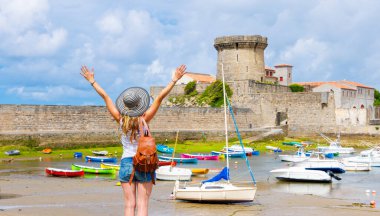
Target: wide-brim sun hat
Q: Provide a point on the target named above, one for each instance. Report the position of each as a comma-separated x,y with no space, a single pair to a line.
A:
133,102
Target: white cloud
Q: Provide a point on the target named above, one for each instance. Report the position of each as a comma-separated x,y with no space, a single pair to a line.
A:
48,93
26,31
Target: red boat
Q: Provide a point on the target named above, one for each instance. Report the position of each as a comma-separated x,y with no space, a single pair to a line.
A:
63,172
166,163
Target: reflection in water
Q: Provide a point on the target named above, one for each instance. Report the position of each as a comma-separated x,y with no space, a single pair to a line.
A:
8,196
99,176
321,189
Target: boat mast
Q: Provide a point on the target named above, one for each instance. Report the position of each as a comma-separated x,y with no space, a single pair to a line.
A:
225,121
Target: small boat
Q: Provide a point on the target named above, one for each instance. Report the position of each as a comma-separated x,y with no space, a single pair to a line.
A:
166,163
335,146
89,169
316,162
230,154
101,159
237,148
298,157
354,166
169,173
12,152
100,153
199,171
47,151
274,149
110,166
300,174
164,149
371,157
292,143
200,156
179,160
64,172
78,154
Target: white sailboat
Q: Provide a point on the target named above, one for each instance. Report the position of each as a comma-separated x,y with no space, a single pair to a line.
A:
216,189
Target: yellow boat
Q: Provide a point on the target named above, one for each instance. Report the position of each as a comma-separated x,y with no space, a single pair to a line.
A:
199,171
110,166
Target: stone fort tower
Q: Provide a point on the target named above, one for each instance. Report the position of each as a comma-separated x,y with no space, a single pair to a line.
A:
242,57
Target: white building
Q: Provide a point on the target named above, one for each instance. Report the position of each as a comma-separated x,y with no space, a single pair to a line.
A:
281,74
347,94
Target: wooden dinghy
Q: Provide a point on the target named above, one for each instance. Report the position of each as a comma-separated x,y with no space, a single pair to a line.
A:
89,169
63,172
101,159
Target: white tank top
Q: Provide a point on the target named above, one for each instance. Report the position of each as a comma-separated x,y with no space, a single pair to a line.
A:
129,148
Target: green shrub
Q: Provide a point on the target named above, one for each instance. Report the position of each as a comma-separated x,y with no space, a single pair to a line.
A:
377,98
296,88
190,88
213,94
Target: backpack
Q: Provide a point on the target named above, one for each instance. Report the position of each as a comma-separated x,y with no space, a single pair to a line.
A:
145,159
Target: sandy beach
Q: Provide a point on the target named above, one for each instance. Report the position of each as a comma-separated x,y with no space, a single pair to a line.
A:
31,194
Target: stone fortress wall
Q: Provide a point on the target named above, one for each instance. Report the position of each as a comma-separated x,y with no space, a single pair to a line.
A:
258,108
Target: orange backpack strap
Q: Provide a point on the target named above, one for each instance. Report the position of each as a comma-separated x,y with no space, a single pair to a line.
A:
152,175
132,176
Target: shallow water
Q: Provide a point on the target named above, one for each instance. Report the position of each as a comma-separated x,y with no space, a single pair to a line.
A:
354,186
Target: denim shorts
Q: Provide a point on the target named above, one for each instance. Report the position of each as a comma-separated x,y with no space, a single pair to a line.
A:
126,168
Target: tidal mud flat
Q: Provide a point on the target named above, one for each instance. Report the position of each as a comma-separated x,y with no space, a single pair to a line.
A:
40,195
26,190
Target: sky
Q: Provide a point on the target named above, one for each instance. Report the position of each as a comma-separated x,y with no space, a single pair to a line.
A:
139,43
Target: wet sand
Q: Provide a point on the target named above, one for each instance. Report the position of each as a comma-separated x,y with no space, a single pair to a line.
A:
36,194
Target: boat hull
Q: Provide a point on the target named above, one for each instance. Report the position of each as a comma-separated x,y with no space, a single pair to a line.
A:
214,192
12,152
168,173
323,165
110,166
164,149
95,170
101,159
292,158
179,160
63,172
300,174
230,154
201,157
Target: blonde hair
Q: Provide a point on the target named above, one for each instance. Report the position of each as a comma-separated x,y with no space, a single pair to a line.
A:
130,124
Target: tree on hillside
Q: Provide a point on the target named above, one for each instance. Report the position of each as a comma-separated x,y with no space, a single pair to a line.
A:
377,98
296,88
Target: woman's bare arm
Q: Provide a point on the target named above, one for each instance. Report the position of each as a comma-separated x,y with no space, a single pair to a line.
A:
89,76
149,114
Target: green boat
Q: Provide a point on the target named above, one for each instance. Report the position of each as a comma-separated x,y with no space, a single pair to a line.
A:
291,143
96,170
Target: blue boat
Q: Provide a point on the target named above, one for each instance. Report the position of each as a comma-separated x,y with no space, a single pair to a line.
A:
164,149
77,154
230,154
179,160
329,155
255,152
101,159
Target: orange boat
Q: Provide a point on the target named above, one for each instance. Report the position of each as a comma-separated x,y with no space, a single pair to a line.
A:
47,151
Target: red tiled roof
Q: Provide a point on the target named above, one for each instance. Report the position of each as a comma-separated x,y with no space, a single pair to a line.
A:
334,83
283,65
199,77
356,84
269,68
